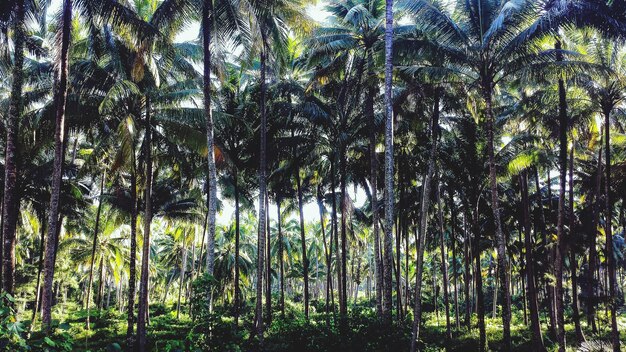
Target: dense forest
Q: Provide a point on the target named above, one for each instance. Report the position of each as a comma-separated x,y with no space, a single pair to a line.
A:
331,175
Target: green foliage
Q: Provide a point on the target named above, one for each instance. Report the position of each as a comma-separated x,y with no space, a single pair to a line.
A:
11,330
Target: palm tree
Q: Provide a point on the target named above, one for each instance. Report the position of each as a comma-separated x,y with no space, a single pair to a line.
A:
389,174
10,203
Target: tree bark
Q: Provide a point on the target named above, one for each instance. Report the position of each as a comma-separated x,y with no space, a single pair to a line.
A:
389,173
609,233
560,247
320,205
142,313
94,246
444,260
11,198
132,276
495,205
305,263
207,23
580,337
183,266
531,295
237,244
591,282
262,193
57,173
281,264
425,205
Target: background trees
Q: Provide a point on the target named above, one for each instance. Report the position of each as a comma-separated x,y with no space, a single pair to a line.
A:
482,102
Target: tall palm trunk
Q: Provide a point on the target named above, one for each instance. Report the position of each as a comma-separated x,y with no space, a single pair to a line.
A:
466,275
343,297
595,194
609,233
132,276
10,201
580,337
281,265
389,187
369,106
425,205
333,185
237,240
535,325
183,267
207,11
305,263
495,205
142,313
457,322
94,246
320,206
559,249
262,193
444,260
57,173
37,304
268,263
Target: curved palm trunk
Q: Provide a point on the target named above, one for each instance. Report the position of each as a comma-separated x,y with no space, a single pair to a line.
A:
262,193
305,263
57,173
93,247
389,187
421,245
10,201
142,313
531,294
500,238
609,233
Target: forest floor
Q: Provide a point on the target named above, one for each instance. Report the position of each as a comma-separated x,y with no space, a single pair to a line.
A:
292,333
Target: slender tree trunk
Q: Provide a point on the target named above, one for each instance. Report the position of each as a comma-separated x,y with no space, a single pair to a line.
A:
535,325
320,205
100,283
281,264
305,263
466,275
580,337
609,234
11,200
591,282
132,277
37,305
268,269
207,25
425,205
142,313
454,262
500,238
444,260
262,193
560,247
389,173
398,266
183,266
93,247
57,173
343,298
369,105
237,244
336,229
